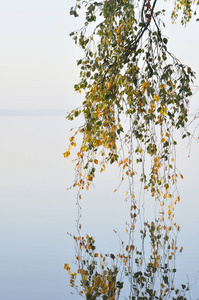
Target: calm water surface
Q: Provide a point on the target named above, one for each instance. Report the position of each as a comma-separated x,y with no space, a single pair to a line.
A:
37,211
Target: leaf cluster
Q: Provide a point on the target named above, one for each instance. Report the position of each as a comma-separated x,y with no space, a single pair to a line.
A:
136,92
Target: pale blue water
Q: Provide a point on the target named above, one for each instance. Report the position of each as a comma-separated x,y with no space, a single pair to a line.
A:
37,211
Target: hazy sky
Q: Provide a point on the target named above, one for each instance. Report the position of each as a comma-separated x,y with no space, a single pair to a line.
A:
38,58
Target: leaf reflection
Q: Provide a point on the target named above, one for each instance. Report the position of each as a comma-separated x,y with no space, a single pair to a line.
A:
133,273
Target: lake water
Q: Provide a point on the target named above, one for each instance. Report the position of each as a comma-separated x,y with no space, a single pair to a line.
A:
37,210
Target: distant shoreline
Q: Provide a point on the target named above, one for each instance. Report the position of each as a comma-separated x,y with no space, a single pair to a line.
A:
32,113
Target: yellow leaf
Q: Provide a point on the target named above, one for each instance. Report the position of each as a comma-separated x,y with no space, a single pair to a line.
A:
181,176
156,98
96,161
71,138
120,162
66,154
162,86
145,86
89,177
66,266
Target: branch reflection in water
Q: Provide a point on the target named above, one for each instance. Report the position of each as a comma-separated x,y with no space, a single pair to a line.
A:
144,268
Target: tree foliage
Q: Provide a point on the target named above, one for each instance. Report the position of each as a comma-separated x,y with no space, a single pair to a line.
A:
136,92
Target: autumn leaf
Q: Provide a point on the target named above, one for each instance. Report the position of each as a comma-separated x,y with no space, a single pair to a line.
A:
156,97
66,154
71,138
145,86
112,256
66,266
120,162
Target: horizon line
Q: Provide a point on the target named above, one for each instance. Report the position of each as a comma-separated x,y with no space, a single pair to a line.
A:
32,112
